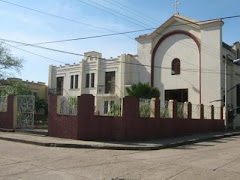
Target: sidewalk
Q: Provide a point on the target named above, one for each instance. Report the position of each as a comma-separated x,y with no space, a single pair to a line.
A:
42,140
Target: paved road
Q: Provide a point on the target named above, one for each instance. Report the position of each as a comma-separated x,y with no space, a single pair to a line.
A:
218,159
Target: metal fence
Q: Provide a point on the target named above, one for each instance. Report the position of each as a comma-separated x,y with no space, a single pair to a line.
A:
67,105
196,111
25,111
207,112
164,110
180,110
144,107
115,108
3,103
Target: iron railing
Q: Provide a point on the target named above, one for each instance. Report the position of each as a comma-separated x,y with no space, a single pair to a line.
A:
3,103
144,107
67,105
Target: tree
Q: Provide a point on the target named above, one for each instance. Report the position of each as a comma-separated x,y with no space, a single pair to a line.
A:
40,104
17,89
143,90
8,62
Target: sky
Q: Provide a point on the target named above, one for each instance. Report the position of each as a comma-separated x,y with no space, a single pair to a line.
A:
28,26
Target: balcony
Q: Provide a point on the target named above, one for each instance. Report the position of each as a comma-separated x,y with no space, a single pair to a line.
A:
106,90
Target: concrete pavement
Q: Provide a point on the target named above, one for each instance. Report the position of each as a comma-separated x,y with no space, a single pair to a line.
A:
214,159
42,140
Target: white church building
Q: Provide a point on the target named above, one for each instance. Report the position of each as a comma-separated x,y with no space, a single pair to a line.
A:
183,58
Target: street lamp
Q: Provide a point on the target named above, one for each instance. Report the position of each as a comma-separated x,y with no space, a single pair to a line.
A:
226,85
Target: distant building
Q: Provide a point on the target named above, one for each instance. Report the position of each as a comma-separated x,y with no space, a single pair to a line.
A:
184,58
105,79
38,88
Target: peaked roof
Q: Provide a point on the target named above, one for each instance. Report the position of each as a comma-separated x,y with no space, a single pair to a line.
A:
183,20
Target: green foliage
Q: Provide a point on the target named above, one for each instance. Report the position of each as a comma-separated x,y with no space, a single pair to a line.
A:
143,90
40,104
72,101
164,113
115,110
72,105
17,89
144,110
8,62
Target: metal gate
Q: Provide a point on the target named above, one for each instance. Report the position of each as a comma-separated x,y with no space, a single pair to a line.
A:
25,111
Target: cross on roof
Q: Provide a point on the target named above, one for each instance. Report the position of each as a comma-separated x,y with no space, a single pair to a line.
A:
176,4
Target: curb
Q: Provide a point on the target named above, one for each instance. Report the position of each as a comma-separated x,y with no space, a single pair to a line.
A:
109,147
32,132
6,130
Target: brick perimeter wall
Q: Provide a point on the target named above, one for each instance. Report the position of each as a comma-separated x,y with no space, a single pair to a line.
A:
7,118
60,125
86,126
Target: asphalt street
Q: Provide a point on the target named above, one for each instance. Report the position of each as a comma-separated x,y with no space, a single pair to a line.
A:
216,159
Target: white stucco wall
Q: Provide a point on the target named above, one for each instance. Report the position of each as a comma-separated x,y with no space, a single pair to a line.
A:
186,50
144,57
65,72
211,46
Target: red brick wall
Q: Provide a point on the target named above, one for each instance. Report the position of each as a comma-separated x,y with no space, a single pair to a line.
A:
60,125
7,118
130,126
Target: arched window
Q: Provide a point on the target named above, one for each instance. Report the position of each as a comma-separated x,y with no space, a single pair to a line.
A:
175,66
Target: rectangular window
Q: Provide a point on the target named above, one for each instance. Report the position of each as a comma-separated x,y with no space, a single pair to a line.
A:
105,107
59,86
87,81
76,81
110,82
71,82
111,104
180,95
92,79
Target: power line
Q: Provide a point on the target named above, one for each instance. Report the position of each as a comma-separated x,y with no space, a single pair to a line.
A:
53,15
137,64
111,13
92,37
33,53
118,12
127,10
129,32
82,55
228,17
59,17
41,47
132,11
72,53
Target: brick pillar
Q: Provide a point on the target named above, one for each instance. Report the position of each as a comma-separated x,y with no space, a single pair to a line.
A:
85,115
201,111
189,110
52,114
174,109
130,115
212,112
11,118
157,108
